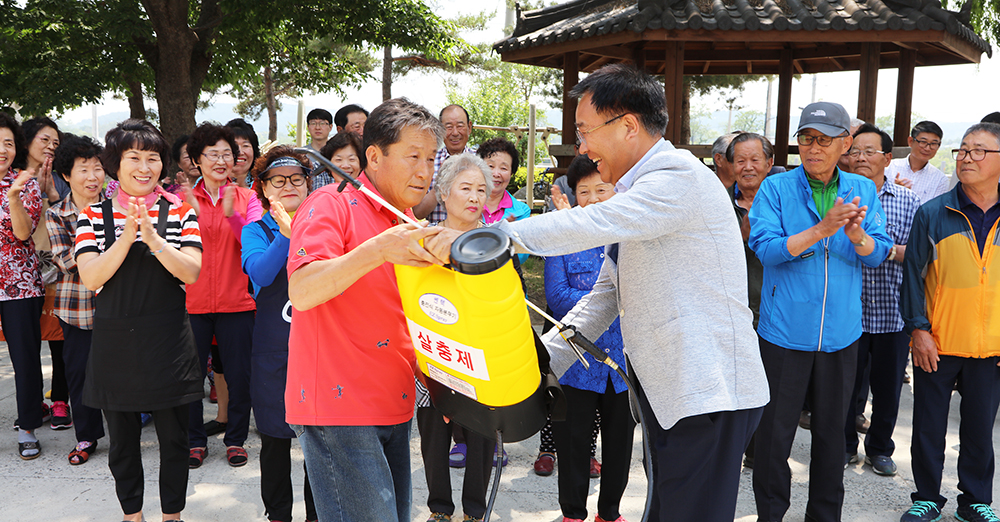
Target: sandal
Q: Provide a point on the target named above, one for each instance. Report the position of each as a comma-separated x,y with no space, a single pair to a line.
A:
82,452
196,456
23,449
456,458
237,456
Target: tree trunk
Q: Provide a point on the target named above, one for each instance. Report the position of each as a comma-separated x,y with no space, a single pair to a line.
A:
136,107
179,60
272,105
387,73
686,114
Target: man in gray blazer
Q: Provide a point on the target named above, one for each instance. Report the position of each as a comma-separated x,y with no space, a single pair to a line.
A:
676,274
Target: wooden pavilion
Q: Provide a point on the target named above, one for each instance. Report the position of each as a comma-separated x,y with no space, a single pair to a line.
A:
778,37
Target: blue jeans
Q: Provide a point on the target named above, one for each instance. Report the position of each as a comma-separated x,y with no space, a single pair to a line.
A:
358,473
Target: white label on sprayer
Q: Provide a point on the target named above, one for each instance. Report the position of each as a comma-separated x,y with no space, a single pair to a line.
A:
451,381
438,308
448,353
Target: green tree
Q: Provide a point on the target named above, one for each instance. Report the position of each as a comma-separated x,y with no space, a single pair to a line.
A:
749,121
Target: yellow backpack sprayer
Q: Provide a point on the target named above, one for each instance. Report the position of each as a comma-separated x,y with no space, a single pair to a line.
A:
473,338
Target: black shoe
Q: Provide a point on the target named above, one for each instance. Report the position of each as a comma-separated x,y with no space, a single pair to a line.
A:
922,511
976,513
805,419
214,427
881,465
861,424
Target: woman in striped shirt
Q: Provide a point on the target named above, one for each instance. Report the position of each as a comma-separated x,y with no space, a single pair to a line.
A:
137,250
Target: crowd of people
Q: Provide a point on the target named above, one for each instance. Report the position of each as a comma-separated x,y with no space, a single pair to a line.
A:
743,301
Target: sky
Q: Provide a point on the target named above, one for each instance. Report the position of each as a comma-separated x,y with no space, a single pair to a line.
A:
945,94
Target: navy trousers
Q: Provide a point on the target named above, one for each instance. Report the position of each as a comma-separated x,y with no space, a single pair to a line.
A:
234,334
885,354
696,463
20,319
979,384
87,421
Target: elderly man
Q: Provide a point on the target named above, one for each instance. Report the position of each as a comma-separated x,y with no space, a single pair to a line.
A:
812,228
457,127
348,323
883,341
915,171
675,273
351,118
723,169
951,280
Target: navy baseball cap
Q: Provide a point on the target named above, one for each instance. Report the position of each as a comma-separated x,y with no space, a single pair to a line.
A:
829,118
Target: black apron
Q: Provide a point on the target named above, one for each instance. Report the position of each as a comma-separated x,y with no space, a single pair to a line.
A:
269,361
143,355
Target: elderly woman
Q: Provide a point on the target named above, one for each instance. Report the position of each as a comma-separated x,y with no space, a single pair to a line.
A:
503,159
344,150
567,279
219,302
282,183
21,294
142,355
78,162
463,187
247,151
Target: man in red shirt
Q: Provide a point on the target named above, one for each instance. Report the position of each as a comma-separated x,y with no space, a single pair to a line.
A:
349,393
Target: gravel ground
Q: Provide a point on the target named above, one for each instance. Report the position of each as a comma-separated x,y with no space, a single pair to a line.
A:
49,489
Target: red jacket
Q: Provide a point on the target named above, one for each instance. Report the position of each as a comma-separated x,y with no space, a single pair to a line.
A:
222,285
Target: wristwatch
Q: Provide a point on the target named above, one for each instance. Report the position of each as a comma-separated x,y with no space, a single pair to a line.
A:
892,253
862,243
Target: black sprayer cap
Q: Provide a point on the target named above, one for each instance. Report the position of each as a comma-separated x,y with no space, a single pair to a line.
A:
480,251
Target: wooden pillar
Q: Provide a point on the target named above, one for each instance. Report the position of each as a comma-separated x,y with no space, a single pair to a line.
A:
673,87
639,56
871,57
785,76
904,97
571,76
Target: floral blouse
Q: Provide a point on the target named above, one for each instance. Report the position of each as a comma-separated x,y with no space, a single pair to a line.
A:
20,277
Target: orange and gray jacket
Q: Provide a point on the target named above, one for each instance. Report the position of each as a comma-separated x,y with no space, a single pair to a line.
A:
949,289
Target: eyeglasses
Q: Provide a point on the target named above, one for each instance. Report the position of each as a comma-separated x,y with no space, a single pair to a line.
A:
318,123
214,156
975,154
277,181
582,135
854,153
823,140
928,144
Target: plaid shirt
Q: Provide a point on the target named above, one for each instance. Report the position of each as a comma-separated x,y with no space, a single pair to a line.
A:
880,285
74,303
439,213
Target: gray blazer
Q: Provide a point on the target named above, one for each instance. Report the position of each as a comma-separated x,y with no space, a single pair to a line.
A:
680,287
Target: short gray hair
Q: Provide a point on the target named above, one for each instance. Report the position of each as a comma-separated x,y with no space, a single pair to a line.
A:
387,121
455,165
722,143
990,128
765,145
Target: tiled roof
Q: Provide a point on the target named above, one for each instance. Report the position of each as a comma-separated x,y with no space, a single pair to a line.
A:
587,18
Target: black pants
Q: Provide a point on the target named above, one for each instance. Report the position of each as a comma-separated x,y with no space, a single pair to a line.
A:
829,379
276,480
125,457
573,437
234,334
23,332
76,350
696,463
979,384
60,383
435,440
885,356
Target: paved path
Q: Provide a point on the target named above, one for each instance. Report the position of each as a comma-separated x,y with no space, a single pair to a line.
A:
49,489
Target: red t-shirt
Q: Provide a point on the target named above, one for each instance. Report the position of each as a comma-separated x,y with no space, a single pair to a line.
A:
350,359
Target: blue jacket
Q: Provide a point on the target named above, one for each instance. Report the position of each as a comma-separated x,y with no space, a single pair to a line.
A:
811,302
567,279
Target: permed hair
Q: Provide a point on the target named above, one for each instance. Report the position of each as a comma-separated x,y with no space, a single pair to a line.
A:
32,127
623,89
262,162
388,120
579,168
494,145
133,134
208,134
455,165
242,129
71,148
20,151
341,140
